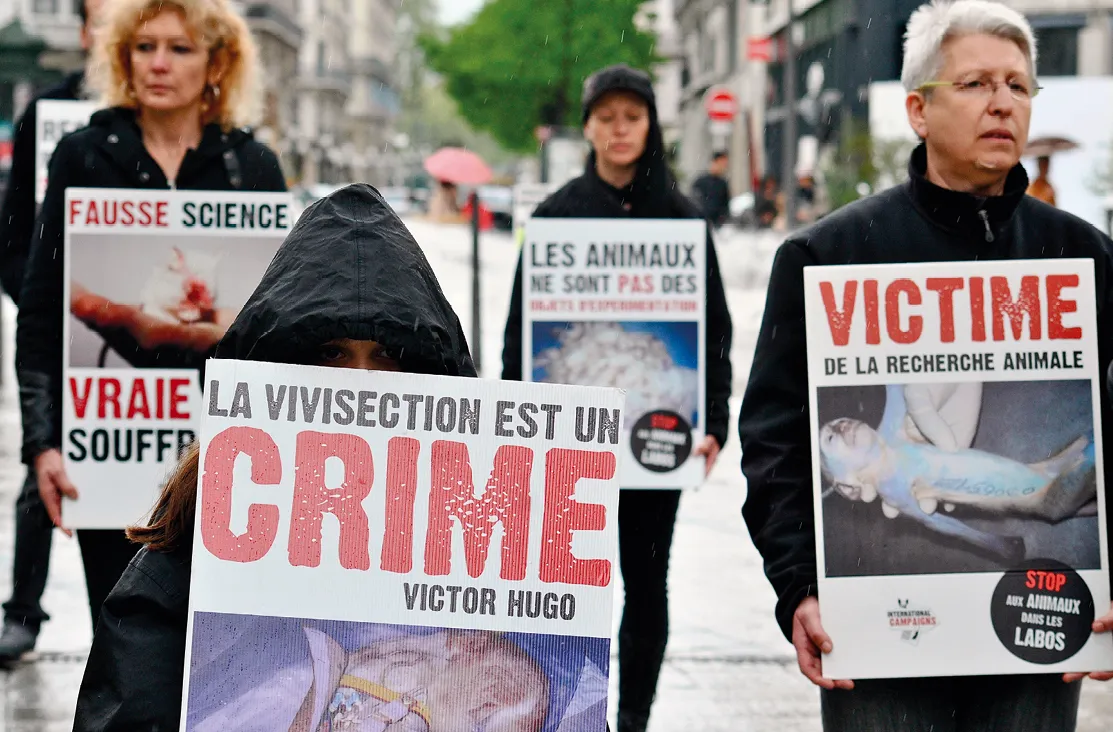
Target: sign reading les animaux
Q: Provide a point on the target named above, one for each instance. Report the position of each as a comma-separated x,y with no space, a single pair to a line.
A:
958,469
54,119
621,303
153,279
396,551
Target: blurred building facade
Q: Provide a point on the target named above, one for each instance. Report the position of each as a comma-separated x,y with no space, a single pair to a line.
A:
327,73
856,42
278,35
374,103
713,37
851,42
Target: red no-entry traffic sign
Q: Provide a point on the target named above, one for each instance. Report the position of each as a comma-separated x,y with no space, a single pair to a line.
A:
721,104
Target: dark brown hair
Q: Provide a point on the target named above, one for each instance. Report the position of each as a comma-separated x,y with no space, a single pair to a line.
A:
171,524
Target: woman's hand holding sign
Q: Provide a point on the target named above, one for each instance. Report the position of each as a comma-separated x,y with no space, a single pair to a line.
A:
50,472
709,448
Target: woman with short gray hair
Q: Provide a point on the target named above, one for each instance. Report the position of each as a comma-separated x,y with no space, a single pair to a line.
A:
969,70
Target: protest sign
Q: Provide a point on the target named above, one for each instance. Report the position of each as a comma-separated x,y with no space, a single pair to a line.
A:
620,303
527,197
153,279
54,119
400,550
957,467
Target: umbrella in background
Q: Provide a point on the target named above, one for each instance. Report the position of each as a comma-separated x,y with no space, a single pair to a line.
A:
458,166
1042,147
455,166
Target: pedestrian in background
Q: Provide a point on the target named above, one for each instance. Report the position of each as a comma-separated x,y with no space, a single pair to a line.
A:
23,612
177,78
349,288
627,177
1041,187
711,191
970,76
766,208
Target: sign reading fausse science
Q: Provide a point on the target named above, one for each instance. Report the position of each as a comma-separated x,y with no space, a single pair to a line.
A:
958,469
153,280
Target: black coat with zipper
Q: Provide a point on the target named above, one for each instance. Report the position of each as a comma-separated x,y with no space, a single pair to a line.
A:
913,222
109,153
17,214
588,196
349,269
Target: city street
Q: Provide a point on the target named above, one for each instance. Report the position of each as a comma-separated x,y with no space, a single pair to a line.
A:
728,668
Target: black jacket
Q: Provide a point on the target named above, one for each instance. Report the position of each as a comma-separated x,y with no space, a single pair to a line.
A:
588,196
17,215
913,222
109,153
712,193
349,269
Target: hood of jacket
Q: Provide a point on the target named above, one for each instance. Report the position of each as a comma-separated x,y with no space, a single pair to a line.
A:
650,192
350,269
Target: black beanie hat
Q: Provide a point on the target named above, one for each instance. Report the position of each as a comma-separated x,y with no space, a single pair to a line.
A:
619,77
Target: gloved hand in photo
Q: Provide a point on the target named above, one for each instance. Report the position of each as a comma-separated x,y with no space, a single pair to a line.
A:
944,415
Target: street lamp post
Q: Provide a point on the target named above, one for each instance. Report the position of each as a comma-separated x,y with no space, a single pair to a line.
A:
476,305
788,104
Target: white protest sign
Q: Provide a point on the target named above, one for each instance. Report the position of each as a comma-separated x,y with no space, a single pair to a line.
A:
957,466
527,197
153,279
621,303
372,547
54,119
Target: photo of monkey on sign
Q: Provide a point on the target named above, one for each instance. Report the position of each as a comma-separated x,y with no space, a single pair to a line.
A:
966,477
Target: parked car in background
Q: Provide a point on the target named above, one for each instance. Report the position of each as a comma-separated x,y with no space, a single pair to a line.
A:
399,199
742,211
499,200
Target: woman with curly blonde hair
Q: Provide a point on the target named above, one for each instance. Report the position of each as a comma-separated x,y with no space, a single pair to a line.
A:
221,48
177,80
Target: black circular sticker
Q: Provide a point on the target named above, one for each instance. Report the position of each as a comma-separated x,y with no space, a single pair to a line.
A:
661,441
1042,611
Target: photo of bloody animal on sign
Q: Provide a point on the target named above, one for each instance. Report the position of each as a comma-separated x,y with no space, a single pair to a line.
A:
389,551
957,457
153,280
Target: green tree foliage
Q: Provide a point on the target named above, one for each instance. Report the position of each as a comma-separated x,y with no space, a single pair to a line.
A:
521,63
861,159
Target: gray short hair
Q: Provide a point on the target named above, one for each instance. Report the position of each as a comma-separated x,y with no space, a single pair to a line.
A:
937,22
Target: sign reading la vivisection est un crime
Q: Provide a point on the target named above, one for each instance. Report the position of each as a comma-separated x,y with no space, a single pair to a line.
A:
958,470
621,303
153,280
383,551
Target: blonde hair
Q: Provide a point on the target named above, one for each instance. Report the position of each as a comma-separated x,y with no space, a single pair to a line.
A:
235,101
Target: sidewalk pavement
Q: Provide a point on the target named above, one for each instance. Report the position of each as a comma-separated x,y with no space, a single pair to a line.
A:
727,668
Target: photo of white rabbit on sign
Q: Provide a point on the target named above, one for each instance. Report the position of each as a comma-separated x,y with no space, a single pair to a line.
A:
133,296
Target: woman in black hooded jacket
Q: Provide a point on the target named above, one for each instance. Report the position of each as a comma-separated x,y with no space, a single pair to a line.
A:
627,176
349,288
